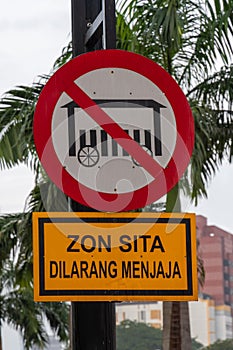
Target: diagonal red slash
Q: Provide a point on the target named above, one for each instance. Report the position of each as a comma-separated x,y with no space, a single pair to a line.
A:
113,129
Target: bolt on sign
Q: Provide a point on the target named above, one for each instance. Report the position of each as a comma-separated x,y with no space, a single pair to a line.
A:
114,257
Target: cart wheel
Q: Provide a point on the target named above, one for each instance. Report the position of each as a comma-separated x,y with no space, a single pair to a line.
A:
147,151
88,156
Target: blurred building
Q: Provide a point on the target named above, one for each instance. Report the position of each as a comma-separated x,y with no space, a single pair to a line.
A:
216,250
203,320
210,317
145,312
208,322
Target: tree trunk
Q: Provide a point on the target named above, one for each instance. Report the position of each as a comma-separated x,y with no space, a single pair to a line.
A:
167,312
186,342
176,326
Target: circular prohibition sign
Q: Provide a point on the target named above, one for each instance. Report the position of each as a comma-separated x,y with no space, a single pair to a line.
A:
152,84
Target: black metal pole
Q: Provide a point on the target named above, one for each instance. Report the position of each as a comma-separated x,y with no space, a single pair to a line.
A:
93,324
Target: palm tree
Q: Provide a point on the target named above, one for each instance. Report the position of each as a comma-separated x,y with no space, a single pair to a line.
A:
17,307
190,39
16,290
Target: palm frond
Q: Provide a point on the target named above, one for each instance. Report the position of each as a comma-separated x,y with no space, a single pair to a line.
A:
207,40
17,305
216,89
126,38
213,125
24,315
57,315
8,236
212,145
157,26
65,56
16,120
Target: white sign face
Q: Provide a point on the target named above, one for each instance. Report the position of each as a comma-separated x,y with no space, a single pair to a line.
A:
89,154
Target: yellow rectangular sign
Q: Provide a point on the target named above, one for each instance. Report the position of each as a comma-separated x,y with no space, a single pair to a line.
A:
120,256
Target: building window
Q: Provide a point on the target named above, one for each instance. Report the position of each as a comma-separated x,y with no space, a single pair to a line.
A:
155,314
142,315
227,300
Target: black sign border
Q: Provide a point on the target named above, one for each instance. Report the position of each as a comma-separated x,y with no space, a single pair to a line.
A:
102,292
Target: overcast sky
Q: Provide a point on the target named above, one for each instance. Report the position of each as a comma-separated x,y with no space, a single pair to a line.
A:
32,35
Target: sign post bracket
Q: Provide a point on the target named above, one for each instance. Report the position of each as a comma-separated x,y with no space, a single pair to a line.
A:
93,25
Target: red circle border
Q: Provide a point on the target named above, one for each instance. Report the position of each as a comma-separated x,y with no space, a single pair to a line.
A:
113,59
